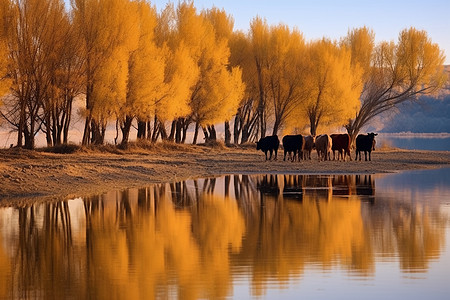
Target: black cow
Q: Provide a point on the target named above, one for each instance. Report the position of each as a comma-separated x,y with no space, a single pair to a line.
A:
293,144
366,143
269,143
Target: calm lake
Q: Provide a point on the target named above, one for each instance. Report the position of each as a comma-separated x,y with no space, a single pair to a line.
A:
239,236
415,142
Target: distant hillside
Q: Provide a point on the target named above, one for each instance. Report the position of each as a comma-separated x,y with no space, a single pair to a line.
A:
427,115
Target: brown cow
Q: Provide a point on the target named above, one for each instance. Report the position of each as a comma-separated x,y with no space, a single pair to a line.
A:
323,147
341,144
309,145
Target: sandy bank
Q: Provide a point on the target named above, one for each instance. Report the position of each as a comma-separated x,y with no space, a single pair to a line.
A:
34,176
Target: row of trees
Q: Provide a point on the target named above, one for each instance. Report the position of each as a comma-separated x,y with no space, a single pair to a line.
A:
179,67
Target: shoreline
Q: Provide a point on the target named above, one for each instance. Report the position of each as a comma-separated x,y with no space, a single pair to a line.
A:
35,176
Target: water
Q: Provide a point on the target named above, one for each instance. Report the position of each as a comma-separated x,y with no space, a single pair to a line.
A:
238,236
416,142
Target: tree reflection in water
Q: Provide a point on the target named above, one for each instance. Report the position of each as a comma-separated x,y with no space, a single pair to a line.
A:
192,239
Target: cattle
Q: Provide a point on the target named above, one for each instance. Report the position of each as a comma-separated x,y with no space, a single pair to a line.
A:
323,147
366,143
293,144
269,144
341,144
309,145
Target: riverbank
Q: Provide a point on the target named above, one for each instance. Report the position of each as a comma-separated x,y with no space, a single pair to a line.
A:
40,176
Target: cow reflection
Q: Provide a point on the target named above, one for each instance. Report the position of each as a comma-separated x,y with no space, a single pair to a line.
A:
293,187
343,185
318,187
268,185
365,186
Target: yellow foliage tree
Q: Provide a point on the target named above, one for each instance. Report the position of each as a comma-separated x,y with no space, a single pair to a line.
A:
180,73
5,81
246,119
332,85
218,90
277,53
395,73
285,73
223,26
146,66
35,32
109,32
361,43
63,72
259,39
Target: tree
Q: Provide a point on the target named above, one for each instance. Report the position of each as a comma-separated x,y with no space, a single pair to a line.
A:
277,53
69,83
285,74
259,37
218,90
246,118
146,66
63,72
180,75
5,80
109,32
331,86
33,25
223,27
396,73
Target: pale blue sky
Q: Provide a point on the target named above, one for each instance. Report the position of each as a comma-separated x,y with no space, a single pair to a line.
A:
333,19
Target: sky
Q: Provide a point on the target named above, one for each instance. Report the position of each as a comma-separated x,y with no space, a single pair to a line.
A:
333,19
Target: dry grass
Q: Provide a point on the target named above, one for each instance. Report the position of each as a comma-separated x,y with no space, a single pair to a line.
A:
62,149
386,146
140,147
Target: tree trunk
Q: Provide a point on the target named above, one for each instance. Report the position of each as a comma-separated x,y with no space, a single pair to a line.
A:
149,130
87,125
87,132
237,129
262,126
126,130
22,122
67,119
49,130
178,129
29,137
205,133
155,132
227,133
212,133
194,140
185,128
245,134
98,132
314,123
313,130
141,131
276,126
352,131
162,130
173,128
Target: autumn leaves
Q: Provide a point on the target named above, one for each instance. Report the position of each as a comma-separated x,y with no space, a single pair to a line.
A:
190,69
